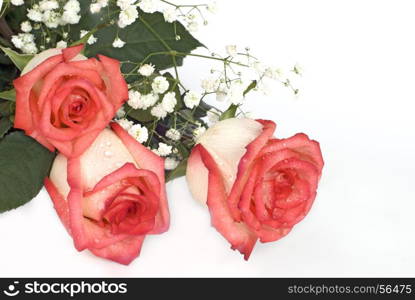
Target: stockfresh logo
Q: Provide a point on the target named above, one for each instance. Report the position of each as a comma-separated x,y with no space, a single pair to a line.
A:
12,289
64,288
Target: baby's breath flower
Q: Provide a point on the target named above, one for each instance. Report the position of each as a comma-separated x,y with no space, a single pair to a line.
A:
17,2
29,48
34,13
192,99
231,50
61,44
70,17
46,5
149,100
25,42
95,8
118,43
146,70
170,163
160,85
236,93
210,85
134,99
127,16
125,124
120,112
148,6
72,6
91,39
140,133
222,92
164,149
173,134
169,102
51,18
170,14
17,41
26,26
158,111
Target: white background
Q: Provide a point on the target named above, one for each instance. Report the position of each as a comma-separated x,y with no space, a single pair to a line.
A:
357,99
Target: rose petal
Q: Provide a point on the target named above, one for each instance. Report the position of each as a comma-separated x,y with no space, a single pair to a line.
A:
122,252
238,234
245,166
148,160
70,52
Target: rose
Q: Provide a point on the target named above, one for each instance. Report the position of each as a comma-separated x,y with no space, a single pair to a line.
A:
64,100
111,196
256,186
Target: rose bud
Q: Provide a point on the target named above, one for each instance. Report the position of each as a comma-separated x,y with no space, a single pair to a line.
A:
256,186
111,196
64,100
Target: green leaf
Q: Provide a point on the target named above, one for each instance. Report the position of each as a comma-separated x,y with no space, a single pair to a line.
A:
19,60
24,164
250,87
178,172
5,125
140,115
7,108
140,40
229,113
8,95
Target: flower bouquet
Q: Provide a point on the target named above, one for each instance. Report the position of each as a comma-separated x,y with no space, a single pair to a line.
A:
93,108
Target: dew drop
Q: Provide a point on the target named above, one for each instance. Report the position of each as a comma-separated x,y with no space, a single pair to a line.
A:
108,153
108,143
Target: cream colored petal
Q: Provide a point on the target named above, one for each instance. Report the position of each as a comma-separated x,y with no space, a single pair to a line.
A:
103,157
226,142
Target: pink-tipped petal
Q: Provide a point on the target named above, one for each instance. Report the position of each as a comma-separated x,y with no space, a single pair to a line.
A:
238,234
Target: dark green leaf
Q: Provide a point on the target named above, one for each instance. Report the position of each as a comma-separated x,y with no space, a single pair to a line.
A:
140,115
5,125
202,109
250,87
229,113
6,108
140,40
8,95
178,172
24,164
184,152
19,60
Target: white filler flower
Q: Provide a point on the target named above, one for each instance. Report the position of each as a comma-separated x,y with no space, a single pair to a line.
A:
173,134
169,102
140,133
164,149
146,70
192,99
170,163
160,85
118,43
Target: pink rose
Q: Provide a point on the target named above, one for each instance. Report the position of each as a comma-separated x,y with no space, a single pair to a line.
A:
64,100
256,186
111,196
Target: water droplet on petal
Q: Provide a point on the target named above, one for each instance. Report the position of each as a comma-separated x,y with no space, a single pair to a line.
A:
108,153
